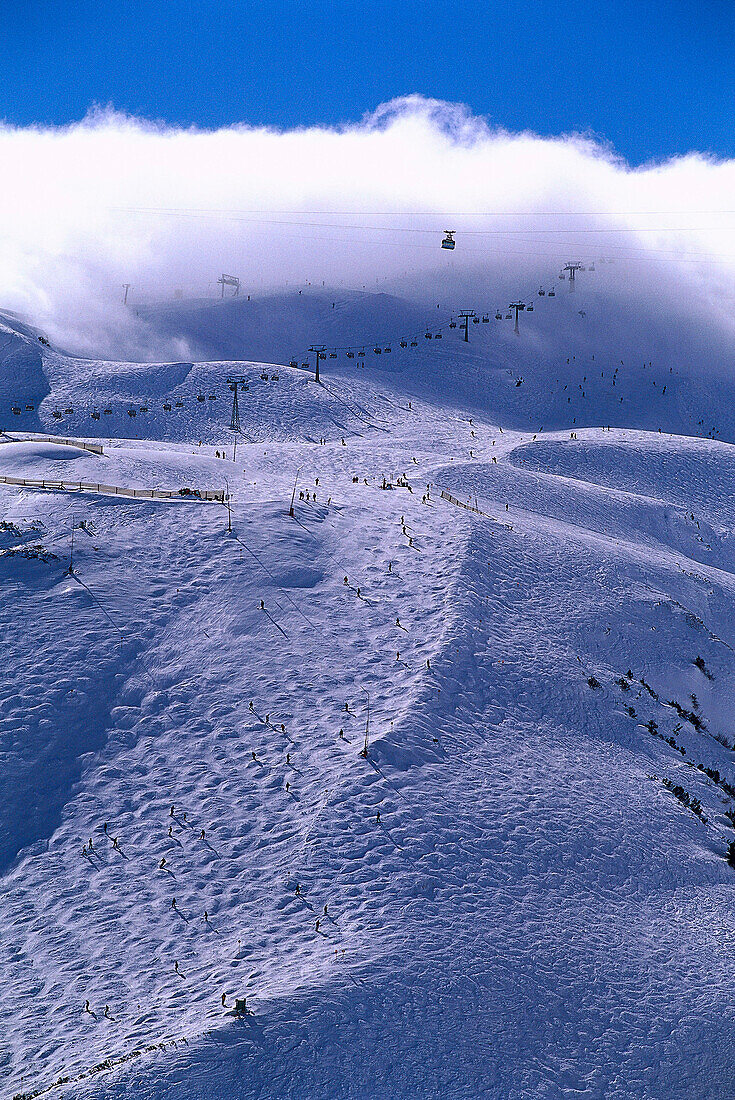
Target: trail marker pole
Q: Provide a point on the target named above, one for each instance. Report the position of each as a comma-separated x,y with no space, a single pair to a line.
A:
293,494
70,570
229,510
366,746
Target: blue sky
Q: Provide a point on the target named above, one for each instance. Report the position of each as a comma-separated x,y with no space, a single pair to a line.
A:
653,78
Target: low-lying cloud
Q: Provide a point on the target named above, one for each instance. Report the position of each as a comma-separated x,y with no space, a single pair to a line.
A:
115,200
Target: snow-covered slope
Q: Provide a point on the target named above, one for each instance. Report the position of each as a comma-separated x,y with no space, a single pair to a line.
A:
522,889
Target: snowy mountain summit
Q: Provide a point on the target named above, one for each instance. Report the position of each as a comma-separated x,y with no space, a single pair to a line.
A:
381,748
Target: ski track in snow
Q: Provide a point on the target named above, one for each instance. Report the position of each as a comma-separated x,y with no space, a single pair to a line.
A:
532,914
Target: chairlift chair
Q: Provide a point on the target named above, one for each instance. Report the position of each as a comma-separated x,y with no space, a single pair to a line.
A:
404,343
452,323
293,363
144,408
95,415
108,412
132,412
16,410
448,239
475,320
30,408
498,316
427,336
68,411
333,355
529,309
386,349
552,293
438,335
591,267
377,350
541,292
179,404
56,414
414,343
200,397
167,408
361,354
509,316
485,319
350,355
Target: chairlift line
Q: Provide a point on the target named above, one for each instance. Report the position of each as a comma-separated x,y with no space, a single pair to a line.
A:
569,270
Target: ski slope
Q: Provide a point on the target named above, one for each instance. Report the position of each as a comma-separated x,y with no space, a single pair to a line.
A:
523,898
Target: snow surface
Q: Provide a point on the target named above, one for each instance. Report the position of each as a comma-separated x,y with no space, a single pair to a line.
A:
534,913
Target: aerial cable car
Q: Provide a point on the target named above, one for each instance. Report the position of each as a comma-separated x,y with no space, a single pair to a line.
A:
448,239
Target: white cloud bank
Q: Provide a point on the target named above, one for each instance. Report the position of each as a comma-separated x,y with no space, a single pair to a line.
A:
115,200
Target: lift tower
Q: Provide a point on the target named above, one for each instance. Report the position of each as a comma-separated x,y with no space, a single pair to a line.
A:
517,306
234,384
320,351
229,280
573,267
465,316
